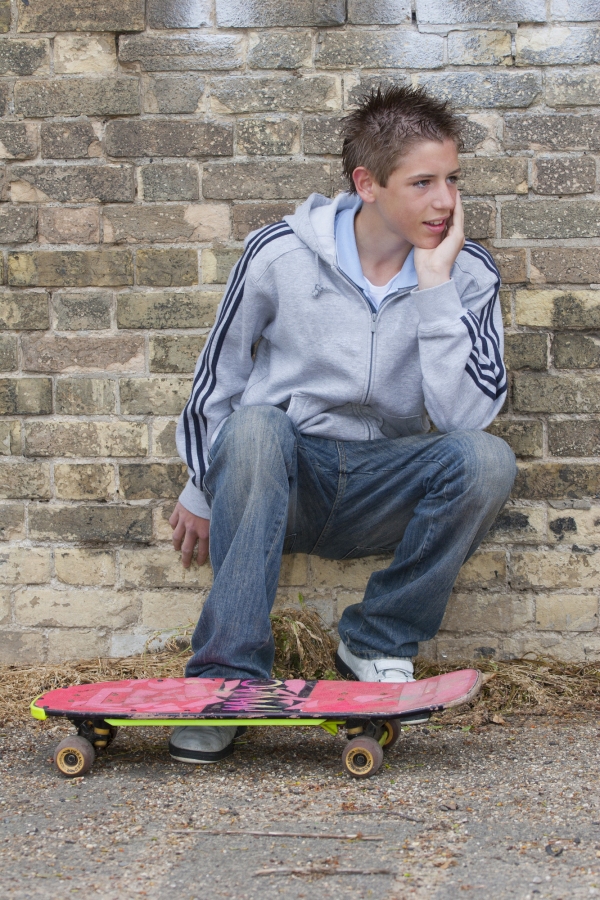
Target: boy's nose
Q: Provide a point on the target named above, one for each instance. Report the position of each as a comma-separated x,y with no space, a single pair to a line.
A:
445,198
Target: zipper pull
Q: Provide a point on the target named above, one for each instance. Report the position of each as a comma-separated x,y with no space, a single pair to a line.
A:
373,321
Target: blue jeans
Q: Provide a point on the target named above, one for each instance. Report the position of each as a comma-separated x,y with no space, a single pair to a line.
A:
428,499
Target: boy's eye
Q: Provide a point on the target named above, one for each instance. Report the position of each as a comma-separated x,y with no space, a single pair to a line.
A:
453,179
423,183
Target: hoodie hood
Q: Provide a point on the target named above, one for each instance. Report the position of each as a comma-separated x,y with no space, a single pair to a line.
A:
314,223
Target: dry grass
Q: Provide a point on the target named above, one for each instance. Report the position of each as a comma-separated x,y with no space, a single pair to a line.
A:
305,649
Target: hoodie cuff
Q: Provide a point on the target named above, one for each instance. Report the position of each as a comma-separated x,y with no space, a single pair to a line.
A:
194,501
438,306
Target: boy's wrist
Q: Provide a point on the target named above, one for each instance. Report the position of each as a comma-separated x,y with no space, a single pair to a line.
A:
431,279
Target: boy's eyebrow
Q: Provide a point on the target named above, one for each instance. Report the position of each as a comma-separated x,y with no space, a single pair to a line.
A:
432,175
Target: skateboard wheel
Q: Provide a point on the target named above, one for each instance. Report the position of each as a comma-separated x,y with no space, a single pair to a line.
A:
362,757
392,727
74,756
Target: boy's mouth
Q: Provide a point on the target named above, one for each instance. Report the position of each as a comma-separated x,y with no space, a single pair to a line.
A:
436,226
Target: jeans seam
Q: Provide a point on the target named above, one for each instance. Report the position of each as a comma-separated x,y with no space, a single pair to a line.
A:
342,477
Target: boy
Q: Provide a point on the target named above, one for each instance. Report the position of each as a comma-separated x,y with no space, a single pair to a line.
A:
306,430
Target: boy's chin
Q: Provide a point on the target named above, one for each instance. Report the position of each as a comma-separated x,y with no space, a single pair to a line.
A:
429,242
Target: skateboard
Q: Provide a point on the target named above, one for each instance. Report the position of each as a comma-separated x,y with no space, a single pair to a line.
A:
371,713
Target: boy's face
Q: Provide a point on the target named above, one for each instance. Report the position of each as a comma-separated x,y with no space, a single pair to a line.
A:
420,195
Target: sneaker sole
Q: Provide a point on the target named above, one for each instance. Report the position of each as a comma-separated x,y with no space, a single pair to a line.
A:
205,757
409,719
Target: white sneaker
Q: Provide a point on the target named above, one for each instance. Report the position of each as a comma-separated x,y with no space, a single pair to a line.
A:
202,743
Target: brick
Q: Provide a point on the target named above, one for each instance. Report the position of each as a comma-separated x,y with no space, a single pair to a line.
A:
8,353
486,571
5,611
17,225
580,525
25,565
24,481
104,524
77,96
172,181
501,175
576,351
25,396
268,136
173,94
262,180
24,57
217,264
70,268
85,397
24,310
12,521
5,16
552,132
167,309
5,97
84,482
556,393
92,609
248,217
549,219
359,86
512,264
557,481
488,90
379,12
574,438
294,570
573,87
466,613
165,223
182,53
272,13
388,48
526,351
53,353
18,648
10,438
86,439
564,176
173,138
85,566
440,12
277,94
178,14
352,574
156,567
557,45
69,140
566,612
163,437
175,353
167,268
280,50
69,226
478,131
575,10
148,481
74,15
525,438
480,48
480,219
558,309
322,135
17,140
565,266
76,54
168,610
82,310
519,524
554,570
162,513
38,184
154,396
77,643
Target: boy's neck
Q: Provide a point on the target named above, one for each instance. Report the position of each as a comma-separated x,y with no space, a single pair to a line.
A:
381,252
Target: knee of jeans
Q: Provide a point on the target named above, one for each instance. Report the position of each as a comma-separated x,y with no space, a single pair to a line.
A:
253,429
487,462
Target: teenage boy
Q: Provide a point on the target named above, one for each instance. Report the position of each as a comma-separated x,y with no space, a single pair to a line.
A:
307,429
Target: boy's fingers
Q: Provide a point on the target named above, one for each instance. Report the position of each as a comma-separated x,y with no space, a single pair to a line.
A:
202,552
187,548
179,534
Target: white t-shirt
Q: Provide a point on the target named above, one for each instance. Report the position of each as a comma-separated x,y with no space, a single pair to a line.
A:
377,293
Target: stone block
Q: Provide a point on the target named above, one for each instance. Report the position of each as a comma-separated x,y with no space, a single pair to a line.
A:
53,353
575,10
389,48
167,223
489,175
67,608
69,226
480,219
25,396
149,481
558,309
83,482
24,310
480,48
525,438
526,351
478,613
217,264
102,524
86,439
175,353
512,264
151,138
73,15
322,135
10,438
576,351
85,397
82,310
167,268
485,571
163,437
272,13
18,648
479,132
24,481
23,57
17,224
182,52
171,181
268,136
170,610
77,643
249,217
557,45
39,184
581,526
556,393
157,567
573,87
294,570
557,481
565,175
565,266
25,565
162,513
173,93
551,219
566,612
5,97
358,86
69,140
12,521
84,54
558,131
8,353
5,11
77,96
276,94
154,396
262,180
468,12
379,12
574,438
519,525
70,268
280,50
554,570
17,140
479,90
167,309
353,573
179,13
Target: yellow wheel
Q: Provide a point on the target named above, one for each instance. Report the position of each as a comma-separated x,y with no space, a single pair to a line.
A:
362,757
393,732
74,756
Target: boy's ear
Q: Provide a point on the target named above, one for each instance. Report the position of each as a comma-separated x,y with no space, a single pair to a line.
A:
364,183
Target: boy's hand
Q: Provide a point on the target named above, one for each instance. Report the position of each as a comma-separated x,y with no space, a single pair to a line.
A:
434,266
187,530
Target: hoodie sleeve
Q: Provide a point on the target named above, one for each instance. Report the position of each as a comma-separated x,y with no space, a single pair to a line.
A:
224,367
461,345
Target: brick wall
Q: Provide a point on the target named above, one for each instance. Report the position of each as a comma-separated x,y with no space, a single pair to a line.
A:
140,142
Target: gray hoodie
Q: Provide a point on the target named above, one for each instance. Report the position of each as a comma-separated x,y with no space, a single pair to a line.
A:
339,368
